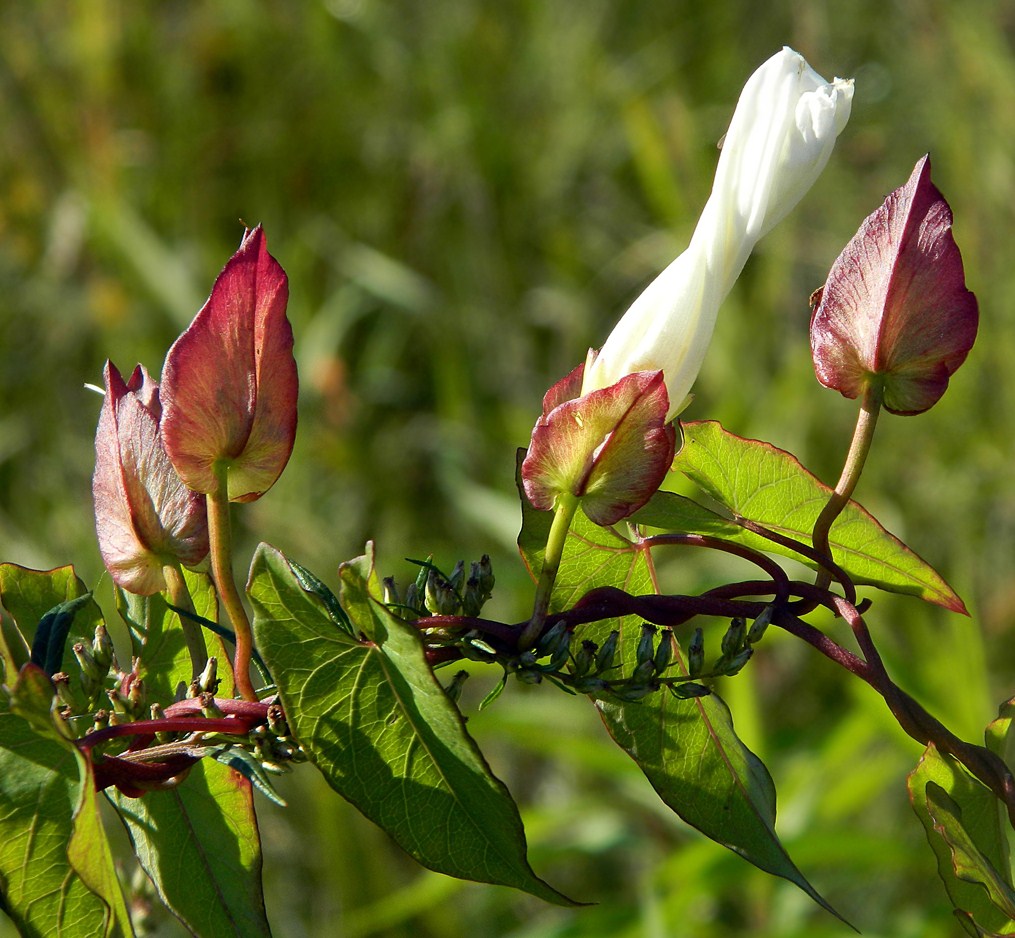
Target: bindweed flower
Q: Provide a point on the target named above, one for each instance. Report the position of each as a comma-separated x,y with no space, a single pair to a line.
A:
778,141
229,385
609,448
145,517
895,310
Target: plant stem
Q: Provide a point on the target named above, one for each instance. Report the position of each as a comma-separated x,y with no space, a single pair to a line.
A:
220,539
863,434
563,515
180,597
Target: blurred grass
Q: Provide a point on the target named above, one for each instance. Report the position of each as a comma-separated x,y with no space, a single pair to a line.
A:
465,197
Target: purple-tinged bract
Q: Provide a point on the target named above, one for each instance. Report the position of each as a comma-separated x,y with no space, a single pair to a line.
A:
895,308
145,517
611,447
229,385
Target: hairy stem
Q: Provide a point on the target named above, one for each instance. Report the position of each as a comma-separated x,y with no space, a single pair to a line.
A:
220,538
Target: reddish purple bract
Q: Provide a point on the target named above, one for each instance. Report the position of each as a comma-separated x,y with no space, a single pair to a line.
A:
610,448
229,385
145,516
895,308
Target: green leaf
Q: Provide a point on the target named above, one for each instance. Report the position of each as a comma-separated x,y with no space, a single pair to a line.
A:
158,642
968,838
200,846
372,717
758,482
56,868
687,749
29,595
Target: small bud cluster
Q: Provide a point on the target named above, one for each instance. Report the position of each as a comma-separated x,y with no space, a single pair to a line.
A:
585,667
434,593
736,649
100,680
275,748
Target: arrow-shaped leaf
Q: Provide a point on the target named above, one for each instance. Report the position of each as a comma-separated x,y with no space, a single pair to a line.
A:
372,717
757,481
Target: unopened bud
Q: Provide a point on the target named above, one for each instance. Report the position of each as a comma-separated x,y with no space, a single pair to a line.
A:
391,597
696,653
733,640
88,666
102,648
553,638
608,651
159,714
91,674
646,644
664,653
760,625
585,658
441,597
457,578
688,690
412,598
736,663
100,721
529,677
135,698
454,689
483,571
590,685
208,681
644,672
277,721
209,708
634,692
61,681
117,702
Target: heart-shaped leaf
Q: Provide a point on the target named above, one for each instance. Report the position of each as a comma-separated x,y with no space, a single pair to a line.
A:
371,716
758,482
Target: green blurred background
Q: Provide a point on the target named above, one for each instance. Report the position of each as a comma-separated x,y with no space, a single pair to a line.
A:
466,195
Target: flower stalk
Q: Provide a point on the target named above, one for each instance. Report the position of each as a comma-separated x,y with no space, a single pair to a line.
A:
179,596
563,515
220,540
859,447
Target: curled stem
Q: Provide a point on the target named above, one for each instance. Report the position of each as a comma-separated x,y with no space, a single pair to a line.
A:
220,539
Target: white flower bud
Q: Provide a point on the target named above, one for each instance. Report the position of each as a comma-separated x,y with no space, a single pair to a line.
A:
778,141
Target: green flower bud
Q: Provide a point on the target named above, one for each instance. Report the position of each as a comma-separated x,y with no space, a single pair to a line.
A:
391,597
412,595
737,662
733,640
553,638
688,690
454,689
664,653
441,597
208,681
608,651
457,578
646,644
102,648
760,625
590,685
696,653
585,658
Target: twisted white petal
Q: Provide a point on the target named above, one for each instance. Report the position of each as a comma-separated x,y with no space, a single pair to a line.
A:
778,141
